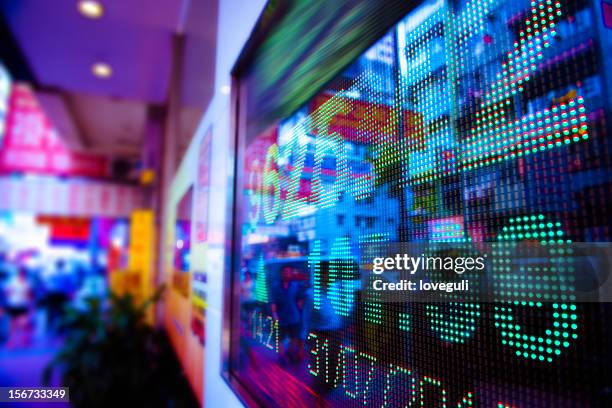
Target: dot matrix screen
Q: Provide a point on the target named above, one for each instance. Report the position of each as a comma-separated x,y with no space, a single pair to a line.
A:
470,122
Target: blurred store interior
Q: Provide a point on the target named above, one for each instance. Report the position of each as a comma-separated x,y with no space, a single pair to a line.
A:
99,100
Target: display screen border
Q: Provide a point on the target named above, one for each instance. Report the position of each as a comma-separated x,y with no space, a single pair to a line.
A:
239,134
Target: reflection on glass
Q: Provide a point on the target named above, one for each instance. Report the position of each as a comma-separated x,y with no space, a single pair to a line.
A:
182,243
471,121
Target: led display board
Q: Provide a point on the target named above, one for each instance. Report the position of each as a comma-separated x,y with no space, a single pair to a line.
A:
470,122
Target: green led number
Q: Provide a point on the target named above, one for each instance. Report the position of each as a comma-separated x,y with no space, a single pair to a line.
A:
541,348
455,322
314,262
533,285
372,310
261,282
341,266
404,321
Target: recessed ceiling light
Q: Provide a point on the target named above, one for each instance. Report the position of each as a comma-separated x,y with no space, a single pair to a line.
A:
90,8
101,70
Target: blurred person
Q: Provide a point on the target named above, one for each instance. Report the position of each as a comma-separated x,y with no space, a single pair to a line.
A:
93,288
59,285
327,323
304,300
19,298
247,308
7,270
247,292
247,298
32,263
325,318
285,309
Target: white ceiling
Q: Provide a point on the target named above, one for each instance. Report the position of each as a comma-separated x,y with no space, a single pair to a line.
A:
135,38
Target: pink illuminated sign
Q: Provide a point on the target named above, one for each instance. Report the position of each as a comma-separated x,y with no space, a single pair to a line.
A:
32,145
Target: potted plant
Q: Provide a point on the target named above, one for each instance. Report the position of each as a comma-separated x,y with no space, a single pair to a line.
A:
112,357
